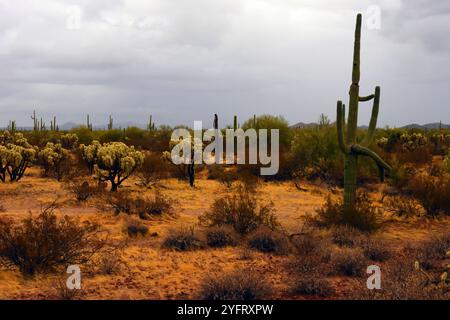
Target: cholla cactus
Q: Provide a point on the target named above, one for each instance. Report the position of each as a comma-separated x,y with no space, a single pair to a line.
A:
113,161
414,141
382,142
16,155
69,141
89,154
52,158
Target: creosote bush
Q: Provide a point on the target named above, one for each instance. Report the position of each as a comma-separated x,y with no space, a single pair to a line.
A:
235,285
240,210
269,241
221,236
364,216
42,243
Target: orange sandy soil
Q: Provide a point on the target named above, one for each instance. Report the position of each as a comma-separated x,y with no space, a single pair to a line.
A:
150,272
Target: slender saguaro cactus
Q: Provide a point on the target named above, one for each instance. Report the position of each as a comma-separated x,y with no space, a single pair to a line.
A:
151,125
235,123
35,121
88,123
110,124
348,143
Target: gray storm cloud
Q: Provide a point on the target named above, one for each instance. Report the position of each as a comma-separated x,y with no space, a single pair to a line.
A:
184,60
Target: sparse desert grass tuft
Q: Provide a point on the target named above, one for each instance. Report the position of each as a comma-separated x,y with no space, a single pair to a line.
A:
269,241
62,292
183,239
82,190
223,236
110,263
235,285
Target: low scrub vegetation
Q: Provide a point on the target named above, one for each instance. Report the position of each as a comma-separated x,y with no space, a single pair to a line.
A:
235,285
42,243
269,241
241,210
219,237
183,239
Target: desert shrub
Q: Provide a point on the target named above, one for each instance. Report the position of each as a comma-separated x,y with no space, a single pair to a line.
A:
317,155
114,162
218,237
363,216
269,241
432,251
135,227
447,162
82,190
312,245
313,284
42,243
346,236
402,206
16,155
349,262
84,134
224,176
183,239
235,285
153,169
376,250
109,262
401,281
62,292
240,210
53,159
144,207
433,193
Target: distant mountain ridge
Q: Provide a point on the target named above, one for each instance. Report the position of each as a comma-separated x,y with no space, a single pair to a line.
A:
428,126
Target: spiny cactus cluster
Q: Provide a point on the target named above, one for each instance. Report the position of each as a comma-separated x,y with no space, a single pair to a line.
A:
113,162
412,142
52,156
16,155
347,136
69,141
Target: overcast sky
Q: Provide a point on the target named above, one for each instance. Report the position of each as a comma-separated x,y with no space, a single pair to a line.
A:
184,60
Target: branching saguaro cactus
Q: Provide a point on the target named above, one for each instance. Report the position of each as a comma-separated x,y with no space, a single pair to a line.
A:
347,140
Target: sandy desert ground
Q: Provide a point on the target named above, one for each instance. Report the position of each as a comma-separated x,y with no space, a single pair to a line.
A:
149,272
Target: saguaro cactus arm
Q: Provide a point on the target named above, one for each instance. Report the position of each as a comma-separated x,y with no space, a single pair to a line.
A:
340,127
373,119
365,99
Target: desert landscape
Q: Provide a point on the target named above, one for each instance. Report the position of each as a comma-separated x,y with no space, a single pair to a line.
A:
128,212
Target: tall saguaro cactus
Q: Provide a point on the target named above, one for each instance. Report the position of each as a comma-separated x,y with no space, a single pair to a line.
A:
347,142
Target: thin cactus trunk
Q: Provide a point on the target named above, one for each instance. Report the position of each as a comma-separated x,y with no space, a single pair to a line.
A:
348,142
